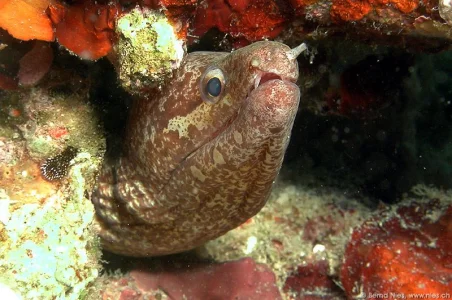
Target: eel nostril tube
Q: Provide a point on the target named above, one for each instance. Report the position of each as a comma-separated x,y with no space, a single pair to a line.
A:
293,53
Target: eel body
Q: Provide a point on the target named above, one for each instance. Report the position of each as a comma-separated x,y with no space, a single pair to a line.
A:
200,156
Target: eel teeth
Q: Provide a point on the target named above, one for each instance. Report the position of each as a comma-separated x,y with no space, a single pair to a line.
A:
262,77
257,79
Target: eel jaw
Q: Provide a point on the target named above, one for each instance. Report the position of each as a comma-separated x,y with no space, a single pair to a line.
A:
261,77
264,73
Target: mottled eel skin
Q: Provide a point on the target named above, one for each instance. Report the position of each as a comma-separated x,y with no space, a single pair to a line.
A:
201,157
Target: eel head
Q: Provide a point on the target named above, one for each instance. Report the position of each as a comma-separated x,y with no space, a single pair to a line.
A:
201,155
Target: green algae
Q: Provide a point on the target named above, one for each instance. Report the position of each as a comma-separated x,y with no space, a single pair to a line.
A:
148,49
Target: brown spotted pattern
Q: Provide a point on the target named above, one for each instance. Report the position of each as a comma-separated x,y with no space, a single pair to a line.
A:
193,170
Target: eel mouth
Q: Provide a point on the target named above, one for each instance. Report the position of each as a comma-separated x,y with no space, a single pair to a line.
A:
262,77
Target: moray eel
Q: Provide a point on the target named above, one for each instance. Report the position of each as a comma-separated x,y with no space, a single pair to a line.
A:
200,156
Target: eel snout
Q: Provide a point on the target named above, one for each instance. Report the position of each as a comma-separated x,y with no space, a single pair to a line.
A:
275,61
274,93
276,101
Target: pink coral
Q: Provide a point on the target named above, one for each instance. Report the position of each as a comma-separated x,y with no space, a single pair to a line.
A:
242,279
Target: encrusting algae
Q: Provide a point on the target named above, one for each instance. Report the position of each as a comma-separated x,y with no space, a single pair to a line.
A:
148,50
48,249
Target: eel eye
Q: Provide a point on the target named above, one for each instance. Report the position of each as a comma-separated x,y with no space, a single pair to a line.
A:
212,85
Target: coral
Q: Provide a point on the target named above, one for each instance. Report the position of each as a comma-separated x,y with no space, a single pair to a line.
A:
253,20
242,279
404,250
260,20
26,20
148,50
85,28
298,5
213,13
179,12
349,10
